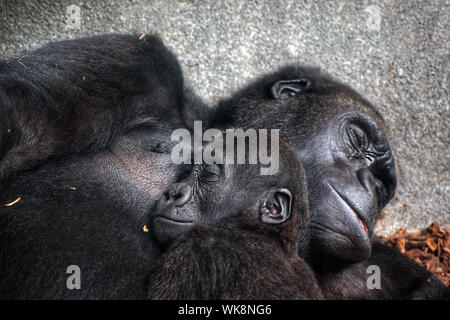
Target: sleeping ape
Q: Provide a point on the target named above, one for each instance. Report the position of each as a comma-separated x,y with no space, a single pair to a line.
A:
340,138
75,96
251,253
85,131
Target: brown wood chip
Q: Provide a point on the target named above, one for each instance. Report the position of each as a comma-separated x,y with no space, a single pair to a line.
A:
429,248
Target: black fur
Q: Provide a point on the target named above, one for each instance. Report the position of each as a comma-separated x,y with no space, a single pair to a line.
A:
401,278
77,95
88,153
232,260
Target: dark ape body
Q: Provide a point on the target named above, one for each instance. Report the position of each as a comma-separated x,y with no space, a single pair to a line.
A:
249,255
340,139
85,141
235,260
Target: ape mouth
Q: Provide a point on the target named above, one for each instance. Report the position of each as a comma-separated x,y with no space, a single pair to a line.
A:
168,228
173,220
364,227
169,214
352,208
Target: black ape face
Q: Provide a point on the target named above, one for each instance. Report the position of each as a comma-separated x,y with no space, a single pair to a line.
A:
211,192
61,105
139,166
350,171
339,138
351,178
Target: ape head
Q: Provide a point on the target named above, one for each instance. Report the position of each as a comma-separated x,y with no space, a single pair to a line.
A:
340,139
76,96
213,192
246,238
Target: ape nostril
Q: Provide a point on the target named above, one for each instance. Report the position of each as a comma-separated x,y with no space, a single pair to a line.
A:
179,194
174,193
367,180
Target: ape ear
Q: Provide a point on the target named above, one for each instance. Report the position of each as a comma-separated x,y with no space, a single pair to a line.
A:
289,88
277,209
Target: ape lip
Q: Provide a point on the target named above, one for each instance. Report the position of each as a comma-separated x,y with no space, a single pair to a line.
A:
361,221
365,227
171,219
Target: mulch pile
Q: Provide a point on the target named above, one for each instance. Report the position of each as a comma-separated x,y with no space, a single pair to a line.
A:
429,248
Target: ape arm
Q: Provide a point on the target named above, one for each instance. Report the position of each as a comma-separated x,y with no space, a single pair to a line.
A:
401,278
409,280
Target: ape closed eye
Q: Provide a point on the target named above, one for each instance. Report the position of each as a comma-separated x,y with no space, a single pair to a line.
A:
357,138
210,173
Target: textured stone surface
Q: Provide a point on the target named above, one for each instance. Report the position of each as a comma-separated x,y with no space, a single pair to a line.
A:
399,62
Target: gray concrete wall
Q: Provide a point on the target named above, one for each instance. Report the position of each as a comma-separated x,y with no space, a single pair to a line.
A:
395,52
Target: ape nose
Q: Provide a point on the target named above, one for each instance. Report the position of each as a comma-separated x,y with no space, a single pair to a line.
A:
179,194
367,180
